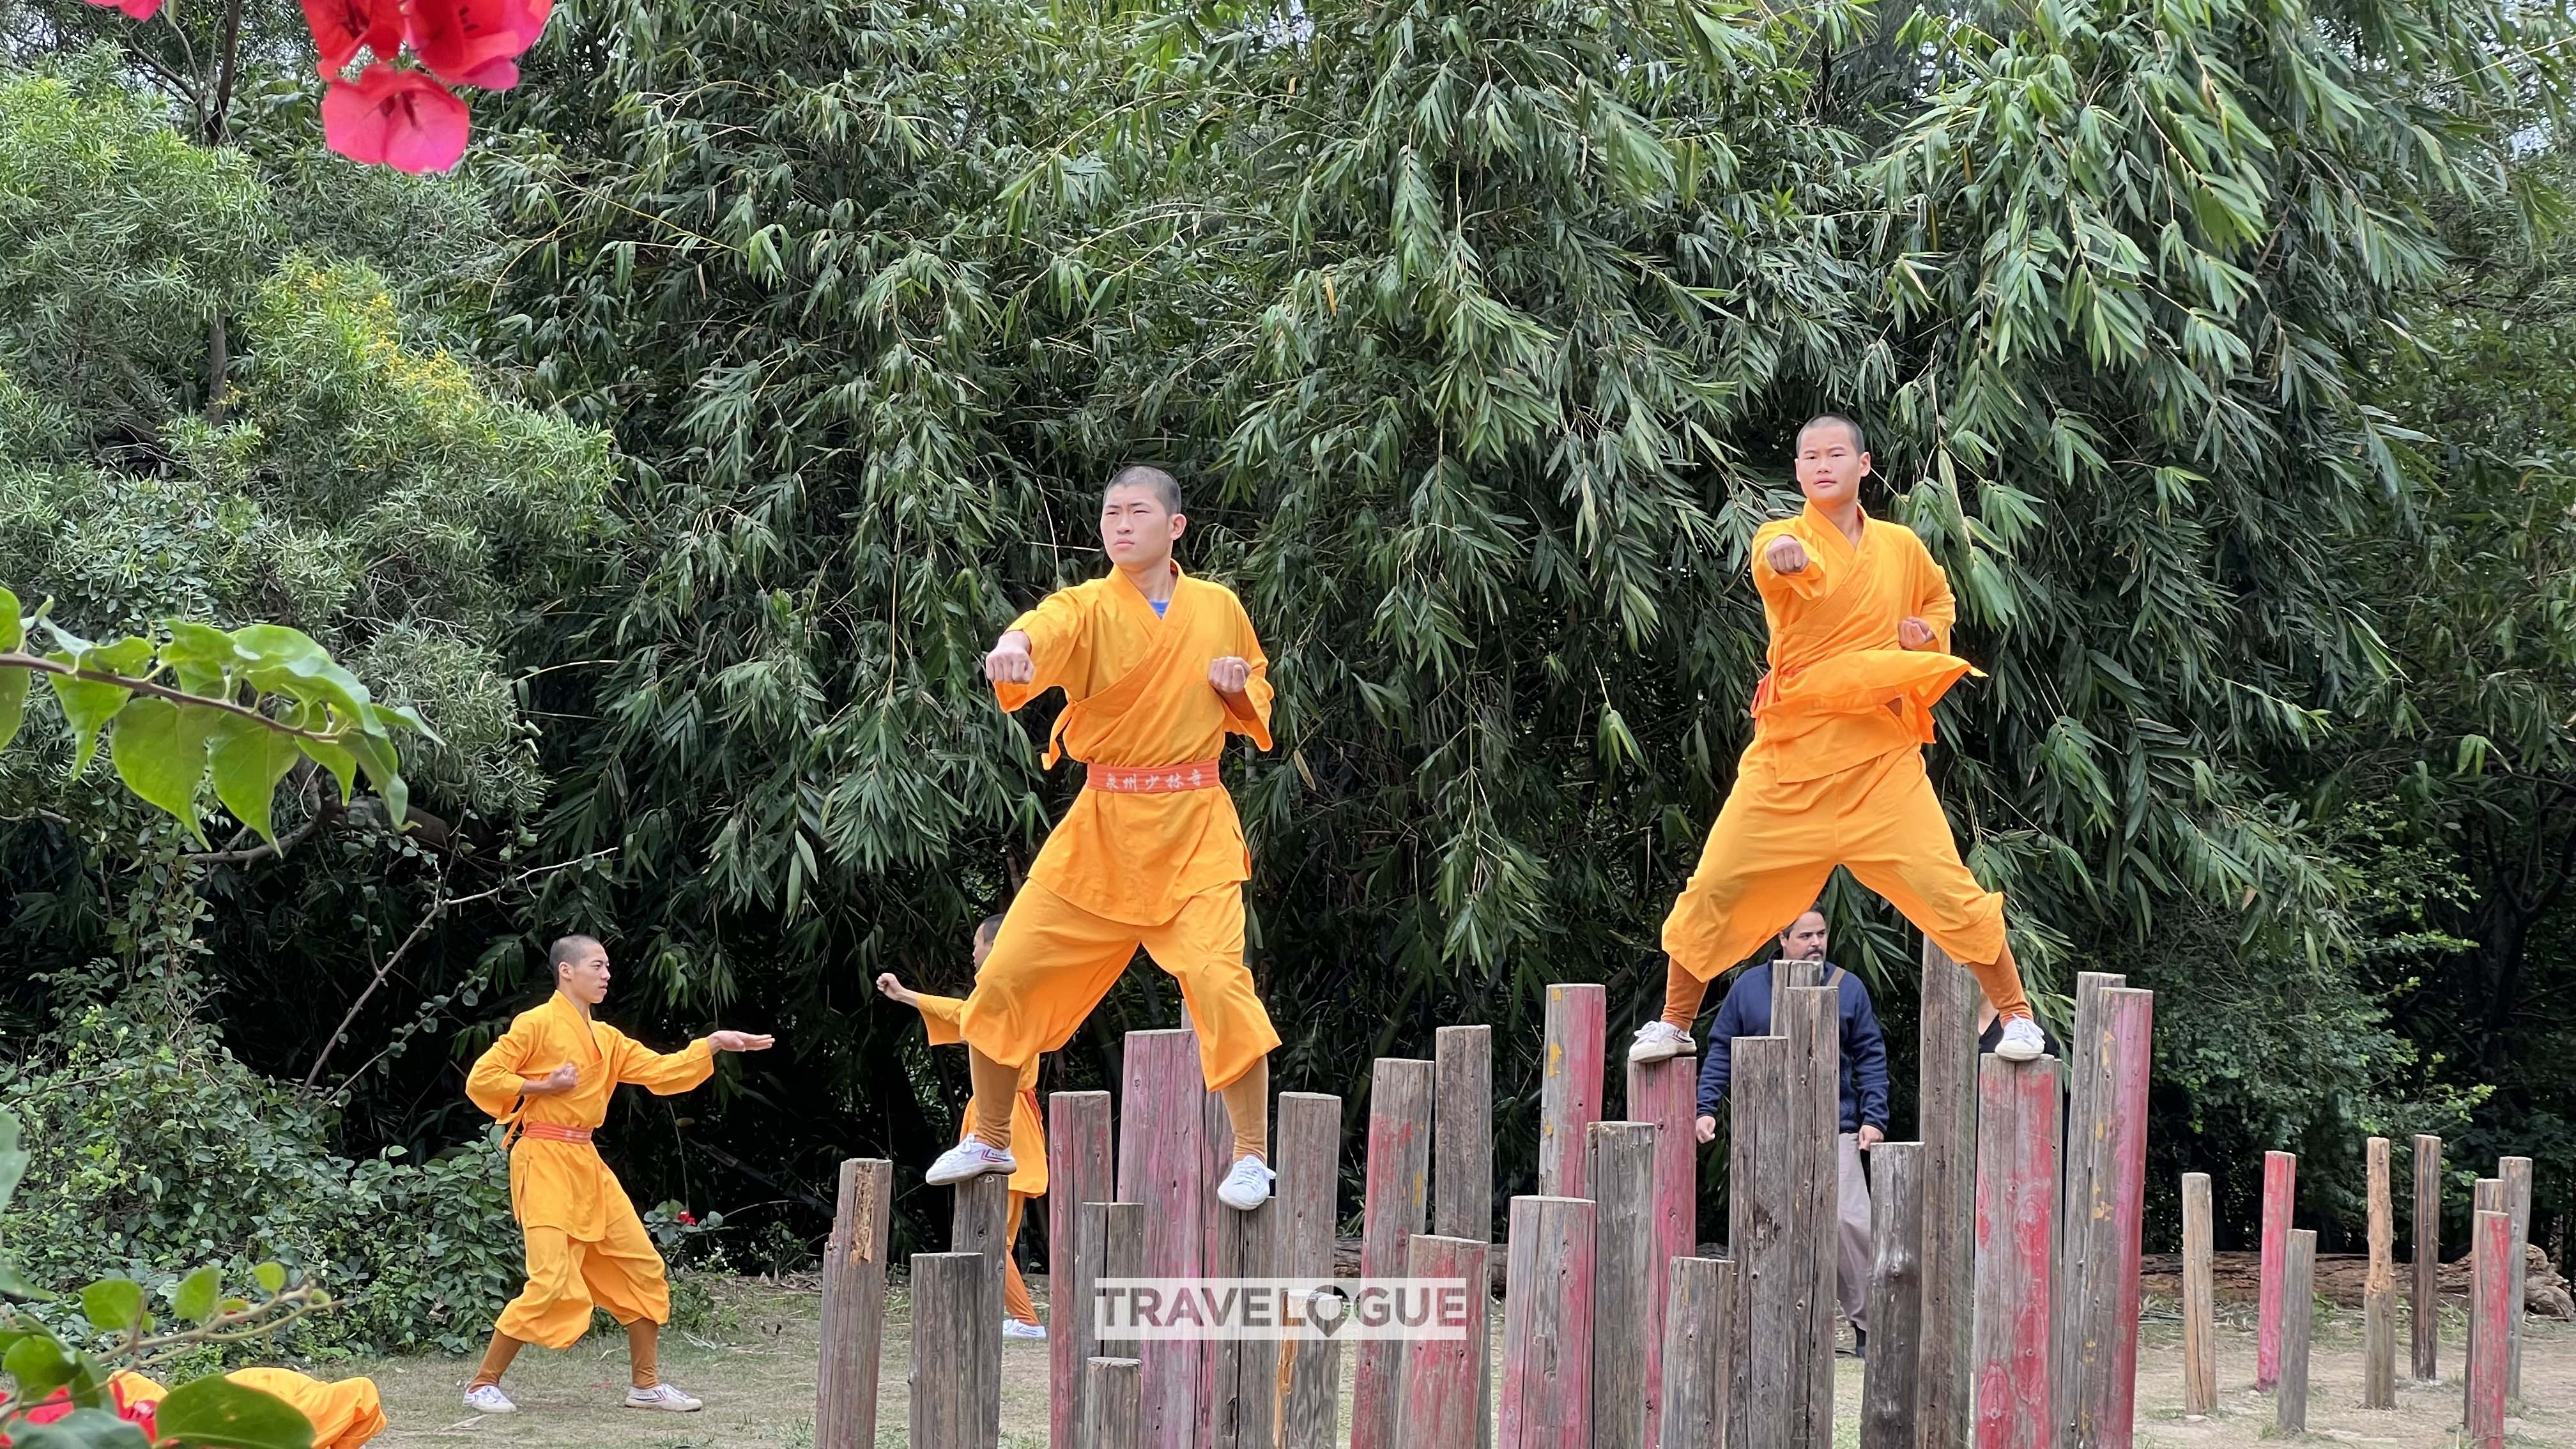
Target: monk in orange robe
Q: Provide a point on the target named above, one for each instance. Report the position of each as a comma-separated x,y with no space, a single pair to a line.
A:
1028,1131
550,1077
344,1415
1157,669
1860,621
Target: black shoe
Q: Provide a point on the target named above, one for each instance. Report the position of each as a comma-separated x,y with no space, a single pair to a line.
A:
1860,1344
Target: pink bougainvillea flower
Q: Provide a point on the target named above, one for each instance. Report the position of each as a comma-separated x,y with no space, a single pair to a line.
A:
340,27
397,118
138,9
474,42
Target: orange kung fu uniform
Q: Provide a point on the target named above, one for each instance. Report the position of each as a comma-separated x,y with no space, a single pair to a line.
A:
344,1415
586,1246
1834,775
1028,1145
1151,854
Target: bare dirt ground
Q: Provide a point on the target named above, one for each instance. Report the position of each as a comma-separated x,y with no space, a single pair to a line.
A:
754,1366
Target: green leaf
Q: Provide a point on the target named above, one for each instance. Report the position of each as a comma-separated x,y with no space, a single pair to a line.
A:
198,1294
13,1157
80,1429
114,1304
199,654
286,661
13,628
334,758
160,754
216,1413
39,1365
13,702
272,1278
14,1284
249,760
87,703
383,771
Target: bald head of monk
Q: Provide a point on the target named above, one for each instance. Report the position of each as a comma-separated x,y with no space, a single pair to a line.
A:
1833,456
581,969
1140,519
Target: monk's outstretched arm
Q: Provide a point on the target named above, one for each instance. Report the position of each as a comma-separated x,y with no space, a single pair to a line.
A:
939,1017
663,1073
1783,574
1042,649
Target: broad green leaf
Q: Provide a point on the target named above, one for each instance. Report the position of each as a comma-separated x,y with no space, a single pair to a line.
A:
334,758
160,754
249,759
81,1429
406,716
39,1365
271,1276
13,629
216,1413
89,704
13,701
197,1295
114,1304
13,1157
384,772
14,1284
286,661
199,654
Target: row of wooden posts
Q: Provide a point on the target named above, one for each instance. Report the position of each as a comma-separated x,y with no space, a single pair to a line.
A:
2500,1227
1992,1290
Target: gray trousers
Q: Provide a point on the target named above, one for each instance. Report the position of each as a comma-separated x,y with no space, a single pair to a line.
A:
1851,1206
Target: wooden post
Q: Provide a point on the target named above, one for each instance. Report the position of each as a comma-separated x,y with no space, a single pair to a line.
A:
949,1331
1162,1169
1243,1373
1399,1176
2490,1327
1666,1093
1569,1091
2199,1306
2103,1220
854,1294
1462,1175
1812,1022
2016,1218
1437,1400
2379,1290
1889,1375
1946,1123
1785,974
977,1212
1309,1154
2298,1318
1113,1236
1625,1282
2424,1304
2280,1195
1547,1326
1764,1363
1080,1170
1699,1299
2515,1172
2486,1195
1113,1391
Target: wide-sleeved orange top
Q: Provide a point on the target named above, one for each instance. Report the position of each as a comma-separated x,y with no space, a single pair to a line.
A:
565,1184
1843,689
1028,1128
1137,697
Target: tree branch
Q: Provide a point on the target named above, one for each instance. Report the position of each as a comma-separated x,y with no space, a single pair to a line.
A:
37,663
317,806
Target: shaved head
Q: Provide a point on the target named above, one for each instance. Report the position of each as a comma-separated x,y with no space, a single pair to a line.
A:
568,949
1859,440
1165,488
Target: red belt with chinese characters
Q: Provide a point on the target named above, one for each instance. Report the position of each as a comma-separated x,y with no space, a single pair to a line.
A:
1154,779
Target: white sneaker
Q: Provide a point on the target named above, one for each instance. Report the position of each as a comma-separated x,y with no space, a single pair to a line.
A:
664,1397
1658,1041
1248,1186
973,1157
1013,1328
488,1399
2022,1041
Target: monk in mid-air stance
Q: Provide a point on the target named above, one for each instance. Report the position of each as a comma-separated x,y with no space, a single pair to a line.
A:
550,1078
1157,669
1860,634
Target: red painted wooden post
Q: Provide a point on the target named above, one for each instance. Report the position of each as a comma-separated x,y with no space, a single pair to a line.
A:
2016,1221
1666,1093
1569,1093
2490,1329
2280,1192
1079,1170
1547,1326
1401,1090
1440,1388
2097,1384
1162,1169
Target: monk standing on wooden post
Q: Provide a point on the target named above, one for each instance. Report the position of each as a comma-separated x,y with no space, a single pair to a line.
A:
1860,629
550,1077
1157,669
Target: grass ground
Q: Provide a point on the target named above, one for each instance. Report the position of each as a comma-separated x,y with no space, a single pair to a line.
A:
753,1363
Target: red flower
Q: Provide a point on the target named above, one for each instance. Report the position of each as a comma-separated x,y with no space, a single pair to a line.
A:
139,1413
134,9
476,42
340,27
397,118
688,1220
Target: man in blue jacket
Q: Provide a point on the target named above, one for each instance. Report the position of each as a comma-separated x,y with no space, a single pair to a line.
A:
1747,1012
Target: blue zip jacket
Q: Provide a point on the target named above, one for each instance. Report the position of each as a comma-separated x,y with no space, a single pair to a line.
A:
1747,1012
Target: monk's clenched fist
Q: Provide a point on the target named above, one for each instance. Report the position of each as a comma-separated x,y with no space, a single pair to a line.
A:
1914,633
1230,675
1786,555
562,1079
1009,663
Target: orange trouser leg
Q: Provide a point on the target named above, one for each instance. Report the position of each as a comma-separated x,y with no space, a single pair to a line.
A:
1899,844
996,1088
2002,982
1015,1289
644,1353
1767,858
496,1360
1247,1107
1683,993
